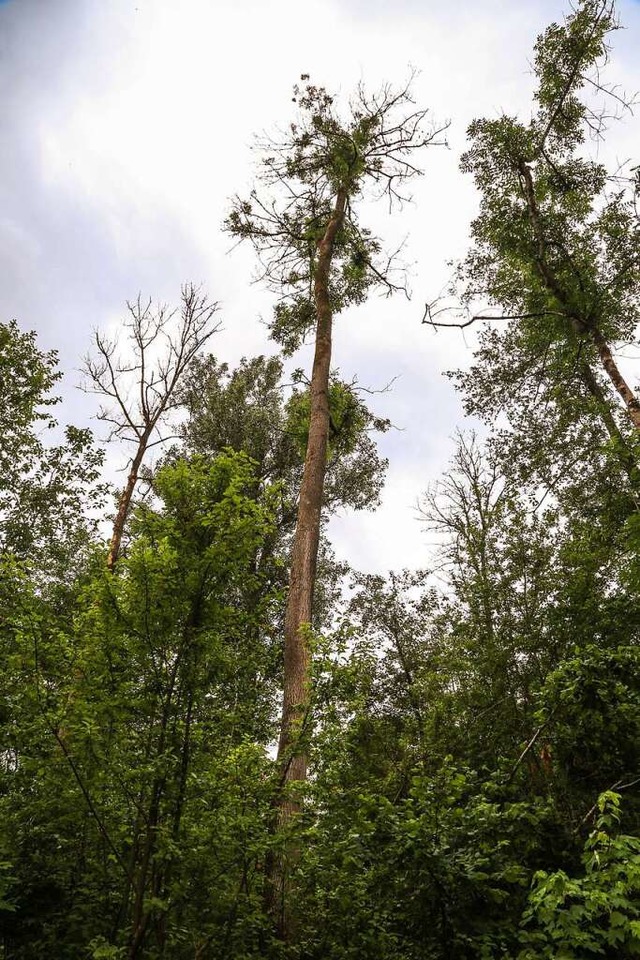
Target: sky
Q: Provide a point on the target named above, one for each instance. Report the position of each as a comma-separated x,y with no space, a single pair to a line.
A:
125,127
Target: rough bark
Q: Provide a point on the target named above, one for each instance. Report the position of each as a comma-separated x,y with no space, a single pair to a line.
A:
292,758
307,534
613,372
124,503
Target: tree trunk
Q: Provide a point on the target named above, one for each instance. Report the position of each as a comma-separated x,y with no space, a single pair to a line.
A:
613,372
292,759
125,502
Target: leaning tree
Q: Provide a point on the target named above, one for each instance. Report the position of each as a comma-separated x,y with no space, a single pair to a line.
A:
555,259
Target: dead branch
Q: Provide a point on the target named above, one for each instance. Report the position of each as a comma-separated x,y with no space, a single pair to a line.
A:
140,383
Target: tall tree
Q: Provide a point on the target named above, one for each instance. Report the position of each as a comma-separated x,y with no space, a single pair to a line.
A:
556,256
253,410
319,259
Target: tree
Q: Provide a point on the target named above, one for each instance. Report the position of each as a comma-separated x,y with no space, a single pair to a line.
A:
556,260
252,409
48,491
463,736
27,378
133,773
319,260
152,373
467,726
595,915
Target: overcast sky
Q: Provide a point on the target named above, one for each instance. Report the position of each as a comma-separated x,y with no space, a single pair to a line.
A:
126,125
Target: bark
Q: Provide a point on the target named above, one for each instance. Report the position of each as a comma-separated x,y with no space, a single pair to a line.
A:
307,535
291,758
125,502
631,401
625,456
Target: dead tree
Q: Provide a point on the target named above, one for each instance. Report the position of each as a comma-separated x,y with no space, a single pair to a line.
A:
139,384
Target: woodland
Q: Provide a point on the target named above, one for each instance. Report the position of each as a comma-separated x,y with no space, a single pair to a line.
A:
217,740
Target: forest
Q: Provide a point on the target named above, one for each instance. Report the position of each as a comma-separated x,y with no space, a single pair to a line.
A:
220,740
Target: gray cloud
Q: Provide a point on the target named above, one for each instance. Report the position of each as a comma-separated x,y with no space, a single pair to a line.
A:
62,273
124,127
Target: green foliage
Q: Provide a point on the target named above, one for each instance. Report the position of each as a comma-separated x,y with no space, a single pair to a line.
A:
555,258
419,861
27,378
348,420
593,704
326,158
240,409
246,409
467,725
293,320
137,725
595,915
47,491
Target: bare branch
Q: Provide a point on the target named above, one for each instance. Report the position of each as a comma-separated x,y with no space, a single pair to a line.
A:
430,313
371,149
157,357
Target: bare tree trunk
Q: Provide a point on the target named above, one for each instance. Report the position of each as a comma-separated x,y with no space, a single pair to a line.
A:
613,372
125,502
292,759
307,535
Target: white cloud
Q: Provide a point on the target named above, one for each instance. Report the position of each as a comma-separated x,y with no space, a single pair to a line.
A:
131,126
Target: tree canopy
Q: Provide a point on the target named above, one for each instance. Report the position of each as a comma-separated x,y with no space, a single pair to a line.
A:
217,738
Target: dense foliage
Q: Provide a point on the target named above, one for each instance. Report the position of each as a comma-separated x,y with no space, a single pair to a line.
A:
473,730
